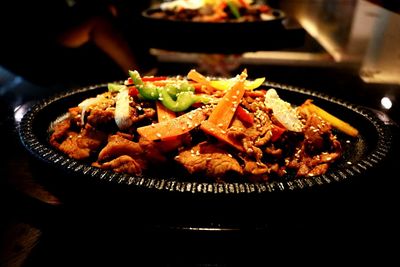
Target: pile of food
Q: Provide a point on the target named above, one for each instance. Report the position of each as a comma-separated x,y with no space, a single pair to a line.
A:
213,128
214,11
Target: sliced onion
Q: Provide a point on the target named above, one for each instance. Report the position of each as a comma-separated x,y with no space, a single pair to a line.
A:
283,111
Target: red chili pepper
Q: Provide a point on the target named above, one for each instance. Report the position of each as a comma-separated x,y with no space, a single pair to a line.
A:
264,8
133,91
243,3
276,132
197,86
153,79
244,116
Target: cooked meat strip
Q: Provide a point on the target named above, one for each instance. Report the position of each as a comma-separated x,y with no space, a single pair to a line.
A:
262,140
251,134
125,135
275,152
118,146
303,170
123,164
254,94
82,145
325,157
151,151
312,166
237,129
316,133
99,117
60,132
255,168
318,170
256,171
209,159
147,113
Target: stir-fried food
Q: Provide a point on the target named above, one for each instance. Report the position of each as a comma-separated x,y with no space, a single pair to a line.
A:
217,129
214,11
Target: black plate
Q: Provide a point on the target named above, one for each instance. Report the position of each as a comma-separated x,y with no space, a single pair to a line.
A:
362,154
216,37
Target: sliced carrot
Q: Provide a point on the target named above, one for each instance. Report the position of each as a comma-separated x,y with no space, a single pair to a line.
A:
174,127
163,113
226,107
170,143
213,130
198,77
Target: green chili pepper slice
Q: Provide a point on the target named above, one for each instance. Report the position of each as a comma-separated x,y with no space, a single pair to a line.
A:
234,9
183,100
115,87
148,91
176,88
135,76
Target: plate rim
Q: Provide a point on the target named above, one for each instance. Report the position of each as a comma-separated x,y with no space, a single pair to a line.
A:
47,154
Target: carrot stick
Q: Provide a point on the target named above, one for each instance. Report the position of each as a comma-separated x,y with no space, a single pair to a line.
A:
226,107
213,130
174,127
198,77
163,113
